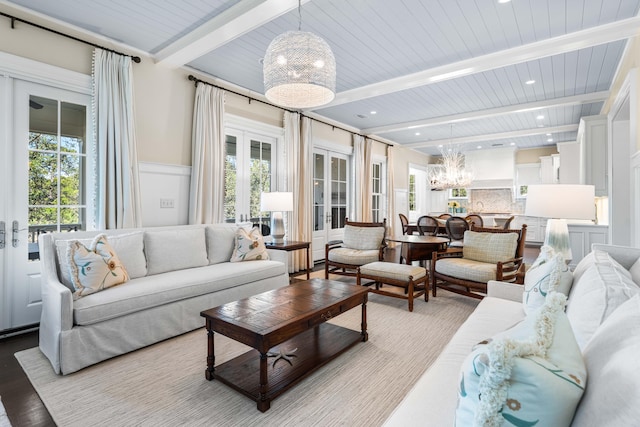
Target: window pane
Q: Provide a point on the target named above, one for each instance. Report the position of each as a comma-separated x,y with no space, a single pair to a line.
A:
343,169
72,219
72,127
43,185
43,216
42,141
260,176
230,179
70,179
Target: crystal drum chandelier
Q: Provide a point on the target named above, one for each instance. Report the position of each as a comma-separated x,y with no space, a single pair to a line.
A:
451,173
299,70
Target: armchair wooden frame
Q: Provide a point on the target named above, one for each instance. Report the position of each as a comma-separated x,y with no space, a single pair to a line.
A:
334,267
510,270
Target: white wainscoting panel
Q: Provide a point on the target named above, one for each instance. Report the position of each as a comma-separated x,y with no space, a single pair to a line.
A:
164,183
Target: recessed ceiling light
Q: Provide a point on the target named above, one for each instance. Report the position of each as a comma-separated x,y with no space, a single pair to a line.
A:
549,139
374,112
513,143
440,146
529,82
540,117
417,133
479,147
548,134
503,1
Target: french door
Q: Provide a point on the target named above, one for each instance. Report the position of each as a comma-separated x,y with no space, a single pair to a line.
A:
44,184
249,170
330,198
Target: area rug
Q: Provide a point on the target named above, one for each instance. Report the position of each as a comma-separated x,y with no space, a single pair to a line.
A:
164,384
4,420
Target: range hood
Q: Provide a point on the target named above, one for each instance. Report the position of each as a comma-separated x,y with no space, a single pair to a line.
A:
491,183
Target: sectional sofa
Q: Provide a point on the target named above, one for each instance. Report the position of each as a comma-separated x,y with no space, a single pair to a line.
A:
603,311
174,274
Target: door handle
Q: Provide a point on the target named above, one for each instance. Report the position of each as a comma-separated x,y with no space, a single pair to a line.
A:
2,234
15,237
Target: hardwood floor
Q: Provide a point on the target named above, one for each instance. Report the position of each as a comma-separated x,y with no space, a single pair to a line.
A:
19,398
22,403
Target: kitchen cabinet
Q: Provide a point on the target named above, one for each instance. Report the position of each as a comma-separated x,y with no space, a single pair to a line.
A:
549,169
582,236
535,233
592,137
569,162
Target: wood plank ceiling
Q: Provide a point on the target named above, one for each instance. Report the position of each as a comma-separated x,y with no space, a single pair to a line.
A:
416,73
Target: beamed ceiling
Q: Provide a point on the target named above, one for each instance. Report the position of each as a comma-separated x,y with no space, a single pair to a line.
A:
415,73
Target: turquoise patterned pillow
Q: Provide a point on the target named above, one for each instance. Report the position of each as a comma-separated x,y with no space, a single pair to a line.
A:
95,268
530,375
249,246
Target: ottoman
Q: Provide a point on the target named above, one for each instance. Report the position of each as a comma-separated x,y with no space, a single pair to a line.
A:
414,279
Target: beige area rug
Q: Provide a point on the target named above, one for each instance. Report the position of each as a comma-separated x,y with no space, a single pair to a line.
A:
164,384
4,419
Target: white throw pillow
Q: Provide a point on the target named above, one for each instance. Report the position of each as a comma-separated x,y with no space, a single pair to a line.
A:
548,273
613,390
220,242
129,247
531,374
178,249
249,246
95,268
635,272
602,288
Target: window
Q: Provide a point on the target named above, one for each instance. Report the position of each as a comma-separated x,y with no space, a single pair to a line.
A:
249,166
412,192
376,190
458,193
57,158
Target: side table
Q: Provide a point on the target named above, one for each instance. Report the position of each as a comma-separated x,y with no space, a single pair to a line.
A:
289,246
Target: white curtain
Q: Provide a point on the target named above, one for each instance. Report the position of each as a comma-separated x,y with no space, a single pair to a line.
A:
298,180
362,148
118,192
206,197
391,196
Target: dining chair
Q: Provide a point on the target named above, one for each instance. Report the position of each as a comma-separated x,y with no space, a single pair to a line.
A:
507,223
427,226
405,223
444,216
456,226
476,219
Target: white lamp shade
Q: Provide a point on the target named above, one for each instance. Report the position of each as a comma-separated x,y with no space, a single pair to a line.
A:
277,201
561,201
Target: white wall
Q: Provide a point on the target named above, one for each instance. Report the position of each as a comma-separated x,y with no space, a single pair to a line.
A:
164,183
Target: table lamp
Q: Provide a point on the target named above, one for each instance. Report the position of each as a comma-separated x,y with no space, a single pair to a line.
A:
560,202
276,202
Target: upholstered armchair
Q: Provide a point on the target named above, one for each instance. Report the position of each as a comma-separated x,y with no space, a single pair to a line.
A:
487,254
362,243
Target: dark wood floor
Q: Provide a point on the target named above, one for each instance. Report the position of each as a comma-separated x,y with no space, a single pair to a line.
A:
21,401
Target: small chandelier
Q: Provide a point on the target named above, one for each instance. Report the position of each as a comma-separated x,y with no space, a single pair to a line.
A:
452,172
299,70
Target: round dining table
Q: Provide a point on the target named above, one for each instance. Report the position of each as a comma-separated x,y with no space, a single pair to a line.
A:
420,248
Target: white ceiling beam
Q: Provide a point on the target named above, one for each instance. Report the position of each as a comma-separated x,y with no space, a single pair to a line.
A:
587,98
239,19
589,37
493,136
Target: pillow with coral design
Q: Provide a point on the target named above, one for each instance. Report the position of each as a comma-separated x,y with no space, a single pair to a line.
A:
531,374
95,268
249,246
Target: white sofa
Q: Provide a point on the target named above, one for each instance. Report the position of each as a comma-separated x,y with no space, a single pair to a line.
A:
598,289
175,273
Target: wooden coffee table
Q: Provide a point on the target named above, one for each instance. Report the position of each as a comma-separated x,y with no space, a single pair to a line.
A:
288,330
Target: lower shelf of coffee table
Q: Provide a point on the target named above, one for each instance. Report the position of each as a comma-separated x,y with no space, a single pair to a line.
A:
315,348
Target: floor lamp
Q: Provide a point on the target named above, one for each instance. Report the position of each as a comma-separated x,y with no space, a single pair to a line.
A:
560,202
276,202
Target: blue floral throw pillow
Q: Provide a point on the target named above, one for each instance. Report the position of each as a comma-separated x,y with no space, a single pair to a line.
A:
94,268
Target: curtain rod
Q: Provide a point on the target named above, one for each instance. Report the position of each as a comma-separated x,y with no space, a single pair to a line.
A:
135,59
197,80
